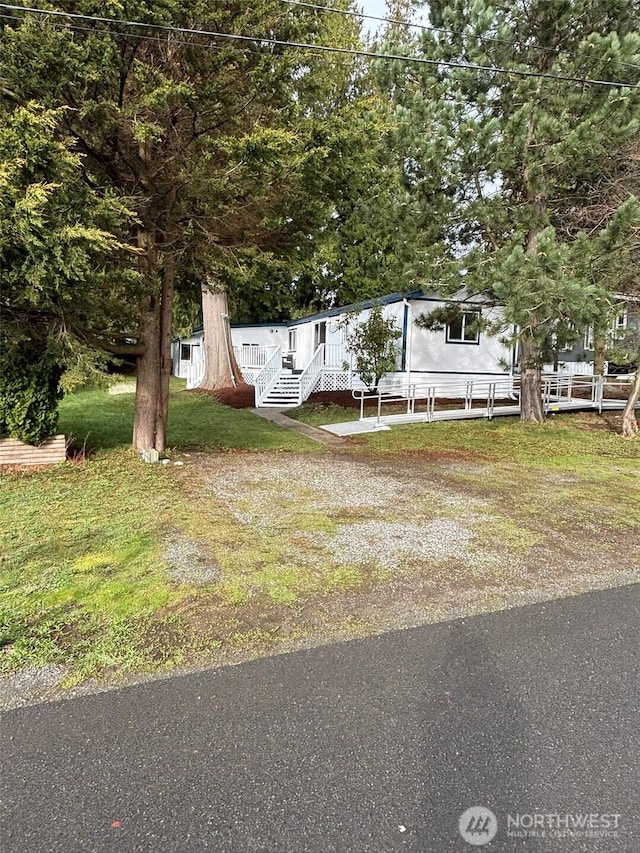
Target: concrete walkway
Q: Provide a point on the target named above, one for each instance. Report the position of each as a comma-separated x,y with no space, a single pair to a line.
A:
278,417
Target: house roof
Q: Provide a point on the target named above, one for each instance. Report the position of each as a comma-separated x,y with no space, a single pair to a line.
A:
359,306
276,324
335,312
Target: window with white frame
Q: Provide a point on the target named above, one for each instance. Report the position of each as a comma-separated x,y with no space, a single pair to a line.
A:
589,339
620,323
463,329
568,345
293,340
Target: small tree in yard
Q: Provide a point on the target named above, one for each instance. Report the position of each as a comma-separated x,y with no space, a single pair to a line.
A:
372,343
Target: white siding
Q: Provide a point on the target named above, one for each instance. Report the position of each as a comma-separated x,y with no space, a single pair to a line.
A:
264,336
430,352
275,335
429,358
180,364
335,335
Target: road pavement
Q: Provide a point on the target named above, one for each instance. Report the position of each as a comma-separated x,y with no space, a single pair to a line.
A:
373,745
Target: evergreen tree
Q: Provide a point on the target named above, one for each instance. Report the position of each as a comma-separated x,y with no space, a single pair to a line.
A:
57,245
498,155
199,134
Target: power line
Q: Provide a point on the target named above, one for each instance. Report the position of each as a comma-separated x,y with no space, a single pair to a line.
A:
423,27
320,48
77,28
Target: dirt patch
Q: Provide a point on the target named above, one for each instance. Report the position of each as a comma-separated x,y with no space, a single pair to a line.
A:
241,397
604,422
344,399
292,551
443,523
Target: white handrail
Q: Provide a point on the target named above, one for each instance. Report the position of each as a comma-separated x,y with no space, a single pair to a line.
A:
555,389
195,373
268,376
253,356
335,355
310,375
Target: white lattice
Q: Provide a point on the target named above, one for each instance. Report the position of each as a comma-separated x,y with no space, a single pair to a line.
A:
249,374
334,381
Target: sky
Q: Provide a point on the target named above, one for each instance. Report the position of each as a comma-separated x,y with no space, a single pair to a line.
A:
379,8
374,7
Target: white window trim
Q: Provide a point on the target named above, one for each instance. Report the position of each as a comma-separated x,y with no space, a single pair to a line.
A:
620,323
464,314
589,340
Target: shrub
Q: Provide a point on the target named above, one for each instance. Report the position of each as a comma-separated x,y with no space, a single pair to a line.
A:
29,393
373,345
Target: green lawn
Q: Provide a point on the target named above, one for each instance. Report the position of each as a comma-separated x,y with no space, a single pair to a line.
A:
196,422
579,441
81,571
83,575
318,415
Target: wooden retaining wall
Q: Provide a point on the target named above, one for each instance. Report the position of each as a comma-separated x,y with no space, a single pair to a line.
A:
51,451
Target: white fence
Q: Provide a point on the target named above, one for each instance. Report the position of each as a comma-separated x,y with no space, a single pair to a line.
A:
335,355
570,368
195,372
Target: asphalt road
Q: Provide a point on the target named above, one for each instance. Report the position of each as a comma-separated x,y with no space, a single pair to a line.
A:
374,745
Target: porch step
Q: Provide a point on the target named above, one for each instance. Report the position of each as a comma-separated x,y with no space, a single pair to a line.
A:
280,400
284,393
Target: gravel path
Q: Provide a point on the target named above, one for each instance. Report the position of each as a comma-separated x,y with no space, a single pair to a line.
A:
400,516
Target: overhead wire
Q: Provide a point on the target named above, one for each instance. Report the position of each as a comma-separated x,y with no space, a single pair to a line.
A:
320,48
424,27
181,42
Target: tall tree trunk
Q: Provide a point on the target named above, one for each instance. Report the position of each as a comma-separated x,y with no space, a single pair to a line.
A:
599,349
530,382
147,378
530,363
148,364
221,368
629,422
153,368
166,320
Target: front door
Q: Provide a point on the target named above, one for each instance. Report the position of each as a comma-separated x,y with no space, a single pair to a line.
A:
188,354
319,334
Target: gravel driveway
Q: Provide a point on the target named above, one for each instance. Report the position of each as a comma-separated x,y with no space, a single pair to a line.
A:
435,539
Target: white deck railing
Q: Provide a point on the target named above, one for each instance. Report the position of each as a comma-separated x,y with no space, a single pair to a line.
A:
310,375
195,372
268,376
487,395
252,356
335,355
570,368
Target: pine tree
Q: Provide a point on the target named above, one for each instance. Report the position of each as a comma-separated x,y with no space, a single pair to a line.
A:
499,155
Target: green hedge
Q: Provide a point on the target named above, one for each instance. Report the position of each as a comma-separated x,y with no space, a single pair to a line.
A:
29,394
